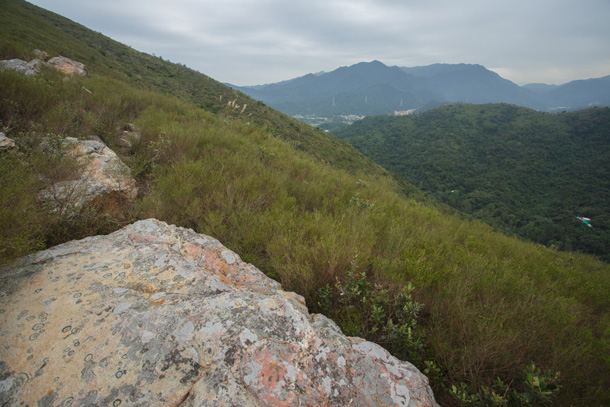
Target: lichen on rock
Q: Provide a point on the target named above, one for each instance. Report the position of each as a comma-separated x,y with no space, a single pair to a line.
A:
159,315
103,177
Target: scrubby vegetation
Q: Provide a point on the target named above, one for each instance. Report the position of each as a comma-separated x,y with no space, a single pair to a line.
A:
527,173
317,216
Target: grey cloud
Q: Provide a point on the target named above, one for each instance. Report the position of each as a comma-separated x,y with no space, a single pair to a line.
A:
257,41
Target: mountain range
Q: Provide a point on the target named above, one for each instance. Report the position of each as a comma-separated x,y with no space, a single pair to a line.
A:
370,88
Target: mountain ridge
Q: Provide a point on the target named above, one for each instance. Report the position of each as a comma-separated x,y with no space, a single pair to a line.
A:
346,89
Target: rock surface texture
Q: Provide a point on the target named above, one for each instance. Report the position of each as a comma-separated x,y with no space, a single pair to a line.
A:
104,176
157,315
21,66
6,143
68,66
63,64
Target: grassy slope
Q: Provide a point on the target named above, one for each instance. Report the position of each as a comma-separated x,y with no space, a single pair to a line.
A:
527,172
492,303
24,27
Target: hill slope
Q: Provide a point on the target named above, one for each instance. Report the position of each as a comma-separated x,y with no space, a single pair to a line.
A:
526,172
319,220
24,27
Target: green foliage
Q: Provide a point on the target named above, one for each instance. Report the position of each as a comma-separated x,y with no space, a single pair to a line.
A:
22,222
362,308
528,173
536,389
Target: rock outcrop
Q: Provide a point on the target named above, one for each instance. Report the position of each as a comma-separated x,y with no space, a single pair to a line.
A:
21,66
157,315
104,176
63,64
67,66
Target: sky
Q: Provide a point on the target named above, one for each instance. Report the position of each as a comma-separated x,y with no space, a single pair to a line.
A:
252,42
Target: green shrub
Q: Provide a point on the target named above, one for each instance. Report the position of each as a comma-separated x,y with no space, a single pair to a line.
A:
534,389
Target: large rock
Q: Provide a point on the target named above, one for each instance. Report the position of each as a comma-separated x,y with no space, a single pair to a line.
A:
63,64
104,177
157,315
21,66
67,66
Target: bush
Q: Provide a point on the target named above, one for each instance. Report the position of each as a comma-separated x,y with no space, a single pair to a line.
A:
535,389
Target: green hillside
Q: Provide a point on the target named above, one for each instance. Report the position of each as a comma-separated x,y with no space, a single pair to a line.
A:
525,172
25,27
306,209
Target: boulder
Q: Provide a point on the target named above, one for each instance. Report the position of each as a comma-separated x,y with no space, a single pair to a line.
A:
158,315
21,66
6,143
104,176
68,66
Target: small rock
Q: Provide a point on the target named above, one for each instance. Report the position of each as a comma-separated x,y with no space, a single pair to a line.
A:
41,54
6,143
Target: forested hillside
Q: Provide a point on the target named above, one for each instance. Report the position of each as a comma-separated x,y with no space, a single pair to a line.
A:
462,302
528,173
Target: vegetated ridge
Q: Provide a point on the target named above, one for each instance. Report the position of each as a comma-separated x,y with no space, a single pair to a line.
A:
529,173
304,208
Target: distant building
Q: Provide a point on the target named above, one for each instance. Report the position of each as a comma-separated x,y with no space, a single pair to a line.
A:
404,112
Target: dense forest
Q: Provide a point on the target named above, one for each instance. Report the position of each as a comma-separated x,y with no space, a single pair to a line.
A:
527,173
464,303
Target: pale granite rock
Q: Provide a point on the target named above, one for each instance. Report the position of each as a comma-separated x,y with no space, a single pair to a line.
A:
68,66
21,66
104,176
156,315
6,144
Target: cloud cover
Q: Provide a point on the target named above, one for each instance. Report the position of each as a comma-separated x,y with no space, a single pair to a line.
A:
248,42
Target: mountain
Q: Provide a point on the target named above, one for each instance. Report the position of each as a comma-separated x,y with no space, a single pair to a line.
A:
364,88
374,88
580,94
540,88
471,84
384,260
529,173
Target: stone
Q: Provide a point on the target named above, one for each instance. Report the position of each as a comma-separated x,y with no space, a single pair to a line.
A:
127,139
68,66
41,54
104,177
6,143
158,315
21,66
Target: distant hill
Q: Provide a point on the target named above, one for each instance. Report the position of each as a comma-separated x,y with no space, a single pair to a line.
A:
370,88
527,172
471,84
580,94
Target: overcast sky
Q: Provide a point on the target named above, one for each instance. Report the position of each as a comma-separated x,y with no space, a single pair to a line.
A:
251,42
